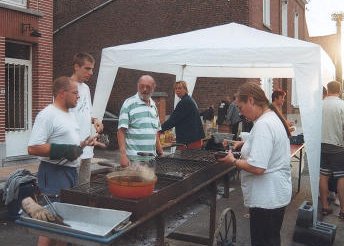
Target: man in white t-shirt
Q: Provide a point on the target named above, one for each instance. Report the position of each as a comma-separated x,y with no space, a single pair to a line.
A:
83,65
332,147
56,140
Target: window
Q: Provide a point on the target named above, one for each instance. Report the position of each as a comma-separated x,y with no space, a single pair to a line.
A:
285,18
17,86
294,100
266,85
18,3
266,13
296,26
17,51
16,104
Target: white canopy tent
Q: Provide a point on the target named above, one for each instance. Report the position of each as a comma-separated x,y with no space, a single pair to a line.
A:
231,50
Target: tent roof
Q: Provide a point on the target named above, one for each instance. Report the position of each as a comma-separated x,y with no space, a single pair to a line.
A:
218,37
223,45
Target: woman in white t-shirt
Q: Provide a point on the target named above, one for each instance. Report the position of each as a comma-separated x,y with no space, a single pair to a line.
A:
264,165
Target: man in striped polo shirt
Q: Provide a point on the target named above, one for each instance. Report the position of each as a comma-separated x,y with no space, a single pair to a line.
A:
139,124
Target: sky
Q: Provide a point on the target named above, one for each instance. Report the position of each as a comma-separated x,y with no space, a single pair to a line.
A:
318,16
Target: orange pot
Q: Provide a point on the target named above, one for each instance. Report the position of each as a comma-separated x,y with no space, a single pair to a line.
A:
130,184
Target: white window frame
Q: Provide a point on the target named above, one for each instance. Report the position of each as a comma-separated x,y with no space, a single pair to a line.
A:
296,25
294,99
266,85
17,3
284,15
28,90
266,13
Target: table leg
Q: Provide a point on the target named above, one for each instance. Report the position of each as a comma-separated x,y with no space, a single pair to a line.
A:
212,220
300,168
160,230
226,186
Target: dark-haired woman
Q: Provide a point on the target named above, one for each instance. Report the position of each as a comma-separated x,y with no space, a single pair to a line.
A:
264,164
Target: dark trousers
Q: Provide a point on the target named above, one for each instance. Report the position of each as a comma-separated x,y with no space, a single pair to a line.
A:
234,129
265,226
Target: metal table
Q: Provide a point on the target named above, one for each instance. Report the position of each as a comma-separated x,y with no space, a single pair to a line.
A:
186,188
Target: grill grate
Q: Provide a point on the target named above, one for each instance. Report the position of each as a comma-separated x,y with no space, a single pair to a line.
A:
178,168
194,155
98,186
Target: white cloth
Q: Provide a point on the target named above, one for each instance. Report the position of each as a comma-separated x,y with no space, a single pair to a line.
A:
333,121
82,112
267,147
52,125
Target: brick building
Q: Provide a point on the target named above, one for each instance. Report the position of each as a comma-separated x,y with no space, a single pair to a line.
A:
92,25
25,70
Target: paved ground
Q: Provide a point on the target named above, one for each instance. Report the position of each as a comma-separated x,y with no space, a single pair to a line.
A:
195,216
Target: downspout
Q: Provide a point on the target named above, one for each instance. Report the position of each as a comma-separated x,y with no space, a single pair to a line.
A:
82,16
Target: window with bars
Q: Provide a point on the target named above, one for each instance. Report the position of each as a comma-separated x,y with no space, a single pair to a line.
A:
16,104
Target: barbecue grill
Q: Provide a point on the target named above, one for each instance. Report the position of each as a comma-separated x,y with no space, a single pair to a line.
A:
187,171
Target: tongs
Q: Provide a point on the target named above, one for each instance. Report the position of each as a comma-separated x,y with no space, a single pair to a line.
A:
52,209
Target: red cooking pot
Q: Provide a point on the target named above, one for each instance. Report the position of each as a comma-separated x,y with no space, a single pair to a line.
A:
130,184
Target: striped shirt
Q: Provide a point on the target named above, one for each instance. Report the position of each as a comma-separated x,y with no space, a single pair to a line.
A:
142,124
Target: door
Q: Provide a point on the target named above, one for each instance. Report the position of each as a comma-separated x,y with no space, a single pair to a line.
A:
18,105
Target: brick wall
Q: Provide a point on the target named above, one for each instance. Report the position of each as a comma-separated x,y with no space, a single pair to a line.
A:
11,25
42,76
122,22
67,10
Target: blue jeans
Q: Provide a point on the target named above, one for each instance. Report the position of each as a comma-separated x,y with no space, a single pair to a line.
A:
52,178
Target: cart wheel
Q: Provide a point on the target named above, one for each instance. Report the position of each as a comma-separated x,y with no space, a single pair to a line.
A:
225,234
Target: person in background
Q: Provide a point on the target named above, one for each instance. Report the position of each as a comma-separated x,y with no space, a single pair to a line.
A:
186,119
246,125
139,124
332,147
208,114
56,140
222,111
264,164
278,98
83,65
233,117
332,182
